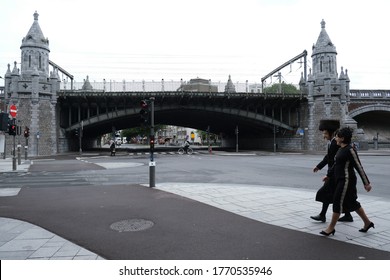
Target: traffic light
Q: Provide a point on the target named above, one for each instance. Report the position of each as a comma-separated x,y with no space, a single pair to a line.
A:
12,128
144,112
26,132
152,142
76,132
4,120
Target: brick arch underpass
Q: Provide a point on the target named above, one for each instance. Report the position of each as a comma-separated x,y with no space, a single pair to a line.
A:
220,120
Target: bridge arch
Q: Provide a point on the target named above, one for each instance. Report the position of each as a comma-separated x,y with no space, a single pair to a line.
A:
220,119
369,108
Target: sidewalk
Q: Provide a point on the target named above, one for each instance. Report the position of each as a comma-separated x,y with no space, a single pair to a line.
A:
6,165
284,207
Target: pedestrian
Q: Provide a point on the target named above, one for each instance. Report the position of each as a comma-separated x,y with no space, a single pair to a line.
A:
325,193
345,197
112,147
187,144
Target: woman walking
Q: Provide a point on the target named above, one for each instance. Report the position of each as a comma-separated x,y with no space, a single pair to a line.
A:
345,197
326,192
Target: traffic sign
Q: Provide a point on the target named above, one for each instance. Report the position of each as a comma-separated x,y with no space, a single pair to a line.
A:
13,111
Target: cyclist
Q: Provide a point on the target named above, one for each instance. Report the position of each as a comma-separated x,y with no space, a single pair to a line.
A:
186,146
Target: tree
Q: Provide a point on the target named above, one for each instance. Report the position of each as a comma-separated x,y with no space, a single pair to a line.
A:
141,131
286,88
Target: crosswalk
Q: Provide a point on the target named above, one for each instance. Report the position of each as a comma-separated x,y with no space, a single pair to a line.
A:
43,179
158,153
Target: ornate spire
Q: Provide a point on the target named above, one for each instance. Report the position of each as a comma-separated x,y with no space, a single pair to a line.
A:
15,71
324,44
34,37
87,85
342,75
230,88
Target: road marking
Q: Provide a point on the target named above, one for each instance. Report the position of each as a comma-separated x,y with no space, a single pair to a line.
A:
9,191
113,165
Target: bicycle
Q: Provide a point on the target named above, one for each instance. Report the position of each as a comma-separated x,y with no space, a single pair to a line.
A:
189,151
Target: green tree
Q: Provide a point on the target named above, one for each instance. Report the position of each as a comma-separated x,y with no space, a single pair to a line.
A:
141,131
286,88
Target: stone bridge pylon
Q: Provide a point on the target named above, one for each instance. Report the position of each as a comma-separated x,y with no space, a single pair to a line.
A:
34,91
328,92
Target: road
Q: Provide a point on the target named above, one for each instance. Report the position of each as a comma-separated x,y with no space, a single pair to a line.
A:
282,170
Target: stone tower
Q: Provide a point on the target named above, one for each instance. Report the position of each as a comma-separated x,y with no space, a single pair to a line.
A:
34,91
328,92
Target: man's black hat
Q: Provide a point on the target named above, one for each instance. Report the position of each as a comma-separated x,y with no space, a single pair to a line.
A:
329,125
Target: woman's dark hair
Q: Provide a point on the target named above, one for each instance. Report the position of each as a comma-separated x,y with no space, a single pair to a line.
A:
345,133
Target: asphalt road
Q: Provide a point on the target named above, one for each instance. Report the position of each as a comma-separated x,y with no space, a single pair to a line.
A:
282,170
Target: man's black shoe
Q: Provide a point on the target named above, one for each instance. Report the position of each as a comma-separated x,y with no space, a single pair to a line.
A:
319,218
346,218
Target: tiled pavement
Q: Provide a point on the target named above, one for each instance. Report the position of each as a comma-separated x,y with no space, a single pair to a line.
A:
23,241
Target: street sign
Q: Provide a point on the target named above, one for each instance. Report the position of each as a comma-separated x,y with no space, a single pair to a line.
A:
13,111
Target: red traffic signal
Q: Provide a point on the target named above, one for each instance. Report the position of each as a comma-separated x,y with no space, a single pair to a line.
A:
12,129
26,132
151,142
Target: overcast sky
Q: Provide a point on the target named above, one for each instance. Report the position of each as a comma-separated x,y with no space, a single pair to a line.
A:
174,39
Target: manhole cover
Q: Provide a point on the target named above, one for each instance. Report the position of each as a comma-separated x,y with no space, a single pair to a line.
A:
131,225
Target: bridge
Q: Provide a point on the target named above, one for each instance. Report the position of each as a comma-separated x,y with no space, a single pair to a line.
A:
53,107
255,114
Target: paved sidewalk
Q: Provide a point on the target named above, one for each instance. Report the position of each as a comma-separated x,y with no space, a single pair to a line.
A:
290,208
6,165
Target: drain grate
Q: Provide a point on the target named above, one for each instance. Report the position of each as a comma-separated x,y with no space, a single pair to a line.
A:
132,225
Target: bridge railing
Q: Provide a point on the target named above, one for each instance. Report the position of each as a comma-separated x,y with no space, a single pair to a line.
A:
150,86
369,94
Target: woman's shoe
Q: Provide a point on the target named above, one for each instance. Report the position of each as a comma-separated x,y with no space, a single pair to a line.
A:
371,225
319,217
327,234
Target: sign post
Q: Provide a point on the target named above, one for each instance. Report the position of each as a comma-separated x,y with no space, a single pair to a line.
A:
152,163
13,111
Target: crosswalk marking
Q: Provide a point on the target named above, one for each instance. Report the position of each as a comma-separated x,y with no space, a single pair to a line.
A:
156,153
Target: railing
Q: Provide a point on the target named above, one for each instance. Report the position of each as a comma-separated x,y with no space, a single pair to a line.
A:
150,86
369,94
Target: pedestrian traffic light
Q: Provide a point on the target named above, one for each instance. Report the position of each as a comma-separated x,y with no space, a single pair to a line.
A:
26,132
12,128
144,112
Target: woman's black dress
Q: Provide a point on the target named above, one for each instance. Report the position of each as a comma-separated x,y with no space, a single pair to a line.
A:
345,197
326,192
